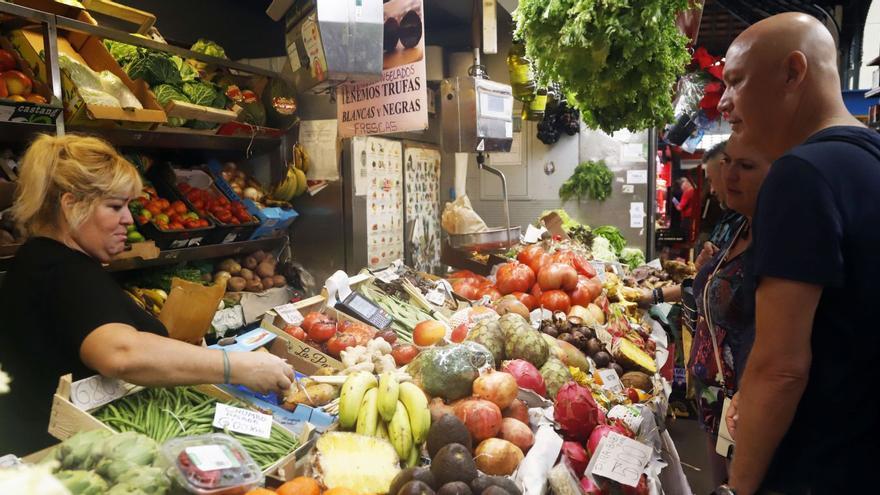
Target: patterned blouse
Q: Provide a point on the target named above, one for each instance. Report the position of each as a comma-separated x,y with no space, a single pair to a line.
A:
731,303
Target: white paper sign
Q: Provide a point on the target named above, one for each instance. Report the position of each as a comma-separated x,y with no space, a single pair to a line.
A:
243,421
610,380
289,314
632,152
629,189
318,138
435,297
636,220
211,457
387,275
636,176
97,390
621,459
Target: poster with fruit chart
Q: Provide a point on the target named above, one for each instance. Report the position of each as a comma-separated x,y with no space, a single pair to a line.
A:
422,193
379,172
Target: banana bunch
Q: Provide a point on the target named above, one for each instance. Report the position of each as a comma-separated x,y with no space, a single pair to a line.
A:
387,409
150,300
294,183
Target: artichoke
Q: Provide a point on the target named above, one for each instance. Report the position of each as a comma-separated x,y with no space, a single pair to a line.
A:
83,450
82,482
125,452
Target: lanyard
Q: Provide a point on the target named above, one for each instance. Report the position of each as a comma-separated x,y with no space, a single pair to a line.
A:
709,323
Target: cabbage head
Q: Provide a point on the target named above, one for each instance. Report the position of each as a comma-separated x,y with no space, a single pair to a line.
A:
155,68
209,48
200,93
165,93
122,52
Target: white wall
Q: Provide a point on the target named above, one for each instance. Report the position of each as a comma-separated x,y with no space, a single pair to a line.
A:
870,44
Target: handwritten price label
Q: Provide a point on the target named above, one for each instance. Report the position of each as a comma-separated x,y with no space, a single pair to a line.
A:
620,458
289,314
97,390
243,421
610,380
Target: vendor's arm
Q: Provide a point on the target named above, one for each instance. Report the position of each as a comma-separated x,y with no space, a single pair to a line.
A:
671,294
775,376
120,351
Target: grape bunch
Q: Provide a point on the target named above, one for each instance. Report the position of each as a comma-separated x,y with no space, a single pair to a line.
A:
558,118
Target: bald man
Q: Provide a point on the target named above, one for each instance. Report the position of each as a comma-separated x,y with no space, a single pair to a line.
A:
806,414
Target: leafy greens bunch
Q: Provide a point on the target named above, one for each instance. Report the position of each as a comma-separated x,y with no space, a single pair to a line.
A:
589,180
617,60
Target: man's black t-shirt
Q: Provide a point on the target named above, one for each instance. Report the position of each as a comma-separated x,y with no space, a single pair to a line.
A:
818,222
51,299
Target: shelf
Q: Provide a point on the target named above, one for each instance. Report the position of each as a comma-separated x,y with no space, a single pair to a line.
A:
23,132
872,92
174,256
876,61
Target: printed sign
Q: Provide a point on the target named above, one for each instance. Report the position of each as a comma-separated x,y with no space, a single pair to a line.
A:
398,102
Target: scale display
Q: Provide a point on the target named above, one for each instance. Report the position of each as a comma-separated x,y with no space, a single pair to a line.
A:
365,310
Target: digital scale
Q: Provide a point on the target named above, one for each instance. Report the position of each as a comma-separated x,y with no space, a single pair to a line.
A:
345,300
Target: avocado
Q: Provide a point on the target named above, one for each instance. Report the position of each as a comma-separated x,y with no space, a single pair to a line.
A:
479,485
455,488
448,429
422,474
453,463
415,487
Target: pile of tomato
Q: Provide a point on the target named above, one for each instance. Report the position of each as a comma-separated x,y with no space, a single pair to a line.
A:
217,205
164,214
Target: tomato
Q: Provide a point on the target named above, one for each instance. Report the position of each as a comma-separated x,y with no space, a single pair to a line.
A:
175,226
576,261
528,300
404,353
537,291
234,221
540,262
556,300
184,187
361,333
295,332
530,254
490,291
581,295
558,276
593,285
311,318
322,331
339,343
163,203
7,61
154,209
465,289
514,277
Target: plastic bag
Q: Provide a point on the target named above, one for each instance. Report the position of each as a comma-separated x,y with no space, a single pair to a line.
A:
449,371
84,77
116,88
459,217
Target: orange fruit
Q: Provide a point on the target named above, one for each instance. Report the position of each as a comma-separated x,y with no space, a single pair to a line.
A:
260,491
300,486
341,490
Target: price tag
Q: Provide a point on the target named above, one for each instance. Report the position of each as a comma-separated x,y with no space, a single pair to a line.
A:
289,314
243,421
211,457
435,297
387,275
95,391
620,458
610,380
628,414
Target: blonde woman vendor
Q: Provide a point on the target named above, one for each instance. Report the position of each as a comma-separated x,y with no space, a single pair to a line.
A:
61,312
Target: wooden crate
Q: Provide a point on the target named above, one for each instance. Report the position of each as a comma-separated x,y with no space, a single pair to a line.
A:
66,420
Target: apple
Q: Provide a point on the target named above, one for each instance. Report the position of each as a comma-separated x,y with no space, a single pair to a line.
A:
459,334
3,91
428,332
17,83
7,61
36,98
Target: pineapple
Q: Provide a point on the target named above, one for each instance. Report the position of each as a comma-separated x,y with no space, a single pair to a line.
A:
521,341
357,462
488,333
555,375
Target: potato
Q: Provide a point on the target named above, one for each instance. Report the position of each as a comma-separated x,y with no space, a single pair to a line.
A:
222,276
6,238
247,274
266,269
259,255
268,283
254,286
315,395
250,263
236,284
279,281
230,265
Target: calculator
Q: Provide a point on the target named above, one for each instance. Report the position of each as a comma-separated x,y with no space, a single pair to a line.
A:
365,310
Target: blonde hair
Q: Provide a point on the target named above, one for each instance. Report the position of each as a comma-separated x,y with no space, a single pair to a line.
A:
87,167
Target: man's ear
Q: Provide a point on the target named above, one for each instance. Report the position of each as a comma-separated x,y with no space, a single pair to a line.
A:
795,66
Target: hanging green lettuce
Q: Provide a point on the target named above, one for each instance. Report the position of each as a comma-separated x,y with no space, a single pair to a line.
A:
590,180
616,61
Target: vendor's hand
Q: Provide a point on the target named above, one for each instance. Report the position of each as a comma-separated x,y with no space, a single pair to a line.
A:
260,371
732,415
709,251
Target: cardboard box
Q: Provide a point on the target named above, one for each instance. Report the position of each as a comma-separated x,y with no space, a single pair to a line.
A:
66,419
304,357
25,111
90,50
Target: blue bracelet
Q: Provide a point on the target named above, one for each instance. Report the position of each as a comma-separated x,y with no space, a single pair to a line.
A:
226,367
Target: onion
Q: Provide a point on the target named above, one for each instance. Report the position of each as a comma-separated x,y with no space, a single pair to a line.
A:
497,387
497,457
515,432
597,313
527,375
510,304
481,417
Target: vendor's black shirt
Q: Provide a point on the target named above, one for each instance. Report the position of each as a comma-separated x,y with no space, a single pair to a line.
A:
51,299
818,222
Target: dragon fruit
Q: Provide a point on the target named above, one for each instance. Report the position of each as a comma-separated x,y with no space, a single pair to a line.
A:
576,412
527,375
577,456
